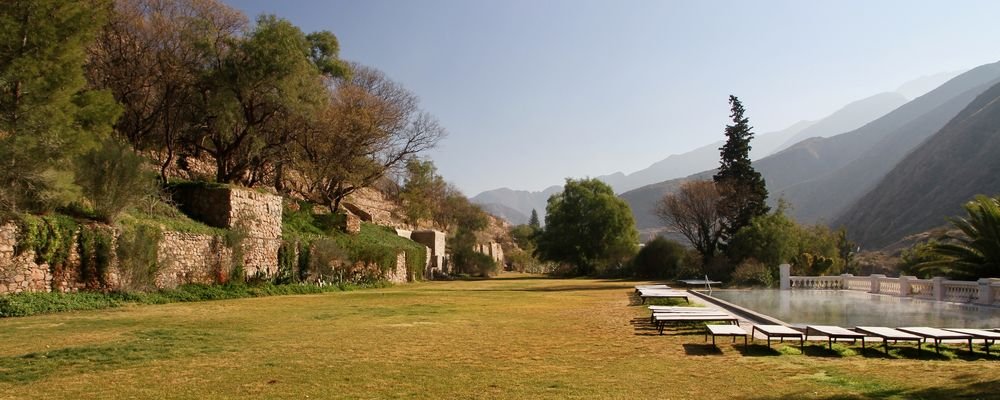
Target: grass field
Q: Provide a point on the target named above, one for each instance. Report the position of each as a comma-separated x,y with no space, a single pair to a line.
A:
514,337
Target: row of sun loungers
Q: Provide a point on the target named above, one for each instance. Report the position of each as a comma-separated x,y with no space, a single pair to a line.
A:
669,315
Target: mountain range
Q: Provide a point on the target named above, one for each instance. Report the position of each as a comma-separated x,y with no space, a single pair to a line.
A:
516,205
935,179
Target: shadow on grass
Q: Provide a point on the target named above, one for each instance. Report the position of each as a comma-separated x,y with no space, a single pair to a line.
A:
757,350
706,349
965,387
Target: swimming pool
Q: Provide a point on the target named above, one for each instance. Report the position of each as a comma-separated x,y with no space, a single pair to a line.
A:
853,308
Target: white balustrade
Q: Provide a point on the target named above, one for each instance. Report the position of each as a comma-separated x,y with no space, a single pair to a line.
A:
922,288
984,291
960,291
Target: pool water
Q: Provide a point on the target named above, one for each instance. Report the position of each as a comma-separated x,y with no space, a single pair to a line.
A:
853,308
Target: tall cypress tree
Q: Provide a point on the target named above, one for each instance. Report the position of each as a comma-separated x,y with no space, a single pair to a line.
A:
533,222
742,189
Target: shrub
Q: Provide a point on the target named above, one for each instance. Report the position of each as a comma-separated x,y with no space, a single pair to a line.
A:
660,258
113,179
753,273
137,257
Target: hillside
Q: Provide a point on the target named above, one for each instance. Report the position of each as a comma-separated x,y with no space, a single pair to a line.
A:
821,176
850,117
521,201
932,182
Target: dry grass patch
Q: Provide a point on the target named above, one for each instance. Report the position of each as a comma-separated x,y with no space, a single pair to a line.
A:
514,337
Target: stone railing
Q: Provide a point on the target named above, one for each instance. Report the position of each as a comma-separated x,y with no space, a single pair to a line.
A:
985,291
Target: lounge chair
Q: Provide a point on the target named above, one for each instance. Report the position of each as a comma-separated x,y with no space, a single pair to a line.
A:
989,338
661,320
683,311
726,330
833,333
663,294
888,334
639,288
779,331
938,335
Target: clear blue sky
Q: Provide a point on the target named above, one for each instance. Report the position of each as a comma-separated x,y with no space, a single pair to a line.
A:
533,91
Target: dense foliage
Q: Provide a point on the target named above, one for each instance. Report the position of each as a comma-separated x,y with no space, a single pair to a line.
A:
975,252
660,258
588,227
742,189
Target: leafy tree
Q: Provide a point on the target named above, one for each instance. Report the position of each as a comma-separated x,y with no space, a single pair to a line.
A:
742,189
975,253
693,211
151,55
423,191
775,238
47,115
371,128
659,258
533,221
587,226
260,92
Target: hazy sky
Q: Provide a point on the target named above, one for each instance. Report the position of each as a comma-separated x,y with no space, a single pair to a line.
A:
533,91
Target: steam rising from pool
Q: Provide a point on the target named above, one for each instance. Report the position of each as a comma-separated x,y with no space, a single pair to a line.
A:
852,308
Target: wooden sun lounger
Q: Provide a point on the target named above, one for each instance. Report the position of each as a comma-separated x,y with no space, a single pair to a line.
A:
726,330
989,338
671,294
888,334
639,288
833,333
779,331
679,310
937,335
709,313
661,320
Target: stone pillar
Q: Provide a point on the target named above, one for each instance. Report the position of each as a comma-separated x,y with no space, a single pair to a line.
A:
843,281
938,288
876,282
785,276
904,285
985,291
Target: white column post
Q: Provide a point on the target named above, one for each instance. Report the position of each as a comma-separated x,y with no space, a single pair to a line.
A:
904,285
843,281
785,276
876,282
985,291
938,288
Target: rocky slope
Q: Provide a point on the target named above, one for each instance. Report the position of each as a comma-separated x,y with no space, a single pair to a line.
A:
932,182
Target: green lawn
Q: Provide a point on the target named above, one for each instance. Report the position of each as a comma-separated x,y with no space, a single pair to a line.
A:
513,337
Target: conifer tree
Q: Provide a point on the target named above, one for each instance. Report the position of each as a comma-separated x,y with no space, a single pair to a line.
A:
742,189
533,222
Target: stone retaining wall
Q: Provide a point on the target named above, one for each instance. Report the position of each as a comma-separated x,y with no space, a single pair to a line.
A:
192,258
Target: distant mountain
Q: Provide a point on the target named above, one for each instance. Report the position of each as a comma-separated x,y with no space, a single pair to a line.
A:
862,157
521,201
822,176
848,118
935,179
512,216
700,159
920,86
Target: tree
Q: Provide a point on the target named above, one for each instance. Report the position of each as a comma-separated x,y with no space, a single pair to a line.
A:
259,93
587,226
47,115
694,212
151,55
743,193
533,221
975,252
372,127
423,193
659,258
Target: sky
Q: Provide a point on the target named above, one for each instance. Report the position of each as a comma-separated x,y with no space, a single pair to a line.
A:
534,91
